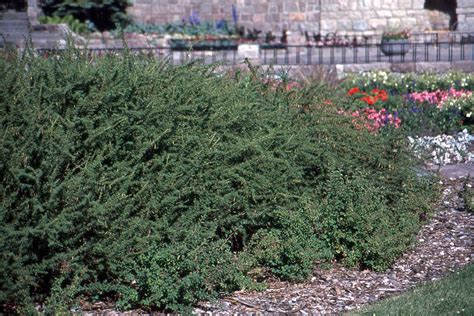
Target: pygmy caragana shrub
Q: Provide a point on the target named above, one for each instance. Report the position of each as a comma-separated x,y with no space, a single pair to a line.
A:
157,186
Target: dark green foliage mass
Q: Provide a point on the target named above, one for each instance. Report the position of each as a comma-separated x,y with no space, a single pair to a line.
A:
100,14
156,185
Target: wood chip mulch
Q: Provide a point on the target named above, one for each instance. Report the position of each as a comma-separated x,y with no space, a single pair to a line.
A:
442,246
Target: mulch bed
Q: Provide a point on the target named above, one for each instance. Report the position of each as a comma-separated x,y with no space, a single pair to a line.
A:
443,245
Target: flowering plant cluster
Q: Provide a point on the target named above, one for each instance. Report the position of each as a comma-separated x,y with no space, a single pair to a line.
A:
369,99
439,98
395,34
373,120
410,82
460,101
443,149
369,117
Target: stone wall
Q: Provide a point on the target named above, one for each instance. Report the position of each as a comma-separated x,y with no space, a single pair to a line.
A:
343,16
163,11
465,11
265,15
373,16
276,15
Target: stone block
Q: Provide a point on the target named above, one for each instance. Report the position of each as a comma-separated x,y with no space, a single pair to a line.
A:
365,4
328,25
464,3
394,23
359,25
290,6
411,22
377,23
248,51
343,25
258,18
313,17
399,13
355,68
384,13
403,67
386,4
405,4
297,16
438,67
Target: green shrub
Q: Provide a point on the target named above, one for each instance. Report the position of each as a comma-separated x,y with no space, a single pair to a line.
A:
101,14
157,186
75,25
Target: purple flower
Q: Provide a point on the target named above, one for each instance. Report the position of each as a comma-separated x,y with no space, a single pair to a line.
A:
194,18
221,24
234,14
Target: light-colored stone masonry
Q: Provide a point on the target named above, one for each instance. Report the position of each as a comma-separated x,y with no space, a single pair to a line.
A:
465,12
373,16
325,16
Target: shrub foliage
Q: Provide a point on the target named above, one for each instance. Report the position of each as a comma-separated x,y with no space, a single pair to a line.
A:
156,185
103,14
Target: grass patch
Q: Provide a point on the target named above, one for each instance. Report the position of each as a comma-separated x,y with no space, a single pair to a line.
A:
449,296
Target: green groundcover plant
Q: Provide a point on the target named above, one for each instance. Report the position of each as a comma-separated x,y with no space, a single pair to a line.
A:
128,179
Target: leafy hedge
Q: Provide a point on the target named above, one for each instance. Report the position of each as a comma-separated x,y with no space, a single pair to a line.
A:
156,185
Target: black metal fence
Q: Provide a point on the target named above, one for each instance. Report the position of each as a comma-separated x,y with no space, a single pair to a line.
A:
369,53
431,47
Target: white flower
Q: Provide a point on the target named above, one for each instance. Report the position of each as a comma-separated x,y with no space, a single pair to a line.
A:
468,114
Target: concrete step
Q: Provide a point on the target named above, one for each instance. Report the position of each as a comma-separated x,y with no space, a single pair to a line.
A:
13,15
14,30
18,30
13,23
46,36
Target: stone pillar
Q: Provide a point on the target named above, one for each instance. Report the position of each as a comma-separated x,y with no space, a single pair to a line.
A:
465,12
33,11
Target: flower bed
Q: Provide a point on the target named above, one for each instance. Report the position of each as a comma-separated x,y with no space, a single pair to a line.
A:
397,83
429,104
444,149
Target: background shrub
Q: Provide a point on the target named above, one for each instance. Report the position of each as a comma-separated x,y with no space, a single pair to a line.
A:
98,14
154,185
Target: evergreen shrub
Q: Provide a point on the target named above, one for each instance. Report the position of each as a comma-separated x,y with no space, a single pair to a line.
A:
102,15
152,185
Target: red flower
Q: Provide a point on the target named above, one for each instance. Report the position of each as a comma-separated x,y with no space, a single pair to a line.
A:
353,91
382,94
369,100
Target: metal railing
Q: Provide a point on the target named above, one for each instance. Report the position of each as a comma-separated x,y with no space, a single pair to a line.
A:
369,53
421,48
